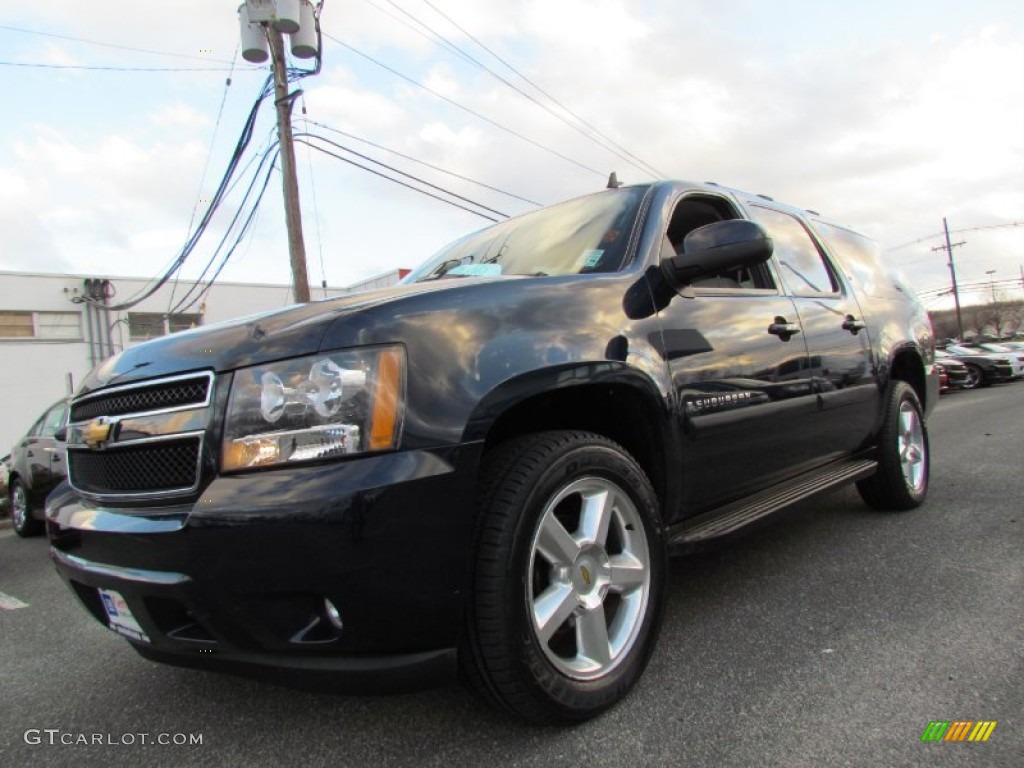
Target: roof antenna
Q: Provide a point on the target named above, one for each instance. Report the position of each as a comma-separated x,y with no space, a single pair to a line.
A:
613,181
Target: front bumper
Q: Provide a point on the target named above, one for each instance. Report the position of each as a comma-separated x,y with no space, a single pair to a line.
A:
237,581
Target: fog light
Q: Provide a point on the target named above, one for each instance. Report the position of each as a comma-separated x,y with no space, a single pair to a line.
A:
333,614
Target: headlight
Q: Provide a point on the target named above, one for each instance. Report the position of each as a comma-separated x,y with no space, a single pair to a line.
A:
316,407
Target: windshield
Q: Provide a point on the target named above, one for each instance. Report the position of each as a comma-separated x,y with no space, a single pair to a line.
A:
588,234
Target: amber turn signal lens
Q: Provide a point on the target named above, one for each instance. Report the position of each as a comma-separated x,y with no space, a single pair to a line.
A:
386,400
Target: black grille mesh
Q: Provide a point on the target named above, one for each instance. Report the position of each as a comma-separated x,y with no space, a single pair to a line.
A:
146,468
170,394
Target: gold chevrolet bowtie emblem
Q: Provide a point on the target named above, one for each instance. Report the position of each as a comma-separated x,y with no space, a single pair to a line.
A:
585,573
97,432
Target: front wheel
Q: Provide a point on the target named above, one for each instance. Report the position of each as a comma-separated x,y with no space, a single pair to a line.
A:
568,577
975,378
901,481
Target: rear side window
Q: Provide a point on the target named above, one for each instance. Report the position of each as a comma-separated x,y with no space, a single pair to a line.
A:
803,266
861,259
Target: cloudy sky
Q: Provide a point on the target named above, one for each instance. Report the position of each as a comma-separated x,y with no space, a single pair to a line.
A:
887,115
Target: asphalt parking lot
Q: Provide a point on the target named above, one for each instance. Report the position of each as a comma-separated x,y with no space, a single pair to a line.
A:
832,636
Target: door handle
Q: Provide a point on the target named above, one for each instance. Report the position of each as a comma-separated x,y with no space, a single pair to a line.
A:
853,325
784,330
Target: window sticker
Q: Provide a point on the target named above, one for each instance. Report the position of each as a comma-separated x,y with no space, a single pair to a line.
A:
476,270
589,258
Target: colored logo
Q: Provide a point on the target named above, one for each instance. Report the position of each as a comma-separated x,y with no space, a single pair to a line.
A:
958,730
97,432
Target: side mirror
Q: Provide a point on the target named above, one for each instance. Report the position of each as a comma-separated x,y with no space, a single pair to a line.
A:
61,435
719,247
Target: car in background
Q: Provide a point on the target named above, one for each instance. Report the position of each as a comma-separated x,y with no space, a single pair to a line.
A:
4,473
1016,356
952,374
37,465
983,369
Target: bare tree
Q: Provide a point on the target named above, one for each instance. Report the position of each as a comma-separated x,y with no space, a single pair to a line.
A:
976,318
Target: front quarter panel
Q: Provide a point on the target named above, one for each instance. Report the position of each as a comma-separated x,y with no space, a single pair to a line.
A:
463,343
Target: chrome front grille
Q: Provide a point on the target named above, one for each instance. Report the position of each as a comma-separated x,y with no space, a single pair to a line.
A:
140,441
171,393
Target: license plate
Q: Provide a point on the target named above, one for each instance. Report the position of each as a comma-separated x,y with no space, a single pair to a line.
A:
119,616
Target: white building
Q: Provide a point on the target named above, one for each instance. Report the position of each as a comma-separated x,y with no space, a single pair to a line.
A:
50,339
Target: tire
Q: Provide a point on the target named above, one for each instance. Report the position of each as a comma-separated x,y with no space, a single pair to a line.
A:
21,512
904,460
568,577
975,377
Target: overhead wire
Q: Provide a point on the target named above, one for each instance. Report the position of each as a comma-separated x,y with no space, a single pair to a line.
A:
958,231
599,139
403,173
574,115
111,45
206,165
218,196
316,206
302,140
114,69
437,168
462,107
231,224
242,231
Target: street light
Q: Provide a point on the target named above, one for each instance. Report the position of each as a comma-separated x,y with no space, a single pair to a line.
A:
991,285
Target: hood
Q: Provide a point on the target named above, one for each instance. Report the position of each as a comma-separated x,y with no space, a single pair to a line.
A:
274,335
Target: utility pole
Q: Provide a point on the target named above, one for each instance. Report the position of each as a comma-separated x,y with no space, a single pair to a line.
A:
948,248
290,185
991,284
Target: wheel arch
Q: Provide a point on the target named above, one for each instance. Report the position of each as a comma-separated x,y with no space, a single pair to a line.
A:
607,398
907,364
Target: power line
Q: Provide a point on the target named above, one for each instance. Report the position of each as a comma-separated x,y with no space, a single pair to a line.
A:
111,45
231,224
206,165
466,109
190,244
439,38
246,225
956,232
316,206
629,156
426,164
398,181
116,69
402,173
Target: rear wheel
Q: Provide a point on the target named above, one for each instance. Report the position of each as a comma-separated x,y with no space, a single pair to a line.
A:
568,577
21,514
901,481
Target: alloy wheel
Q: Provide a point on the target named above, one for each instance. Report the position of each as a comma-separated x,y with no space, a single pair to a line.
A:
590,578
912,446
